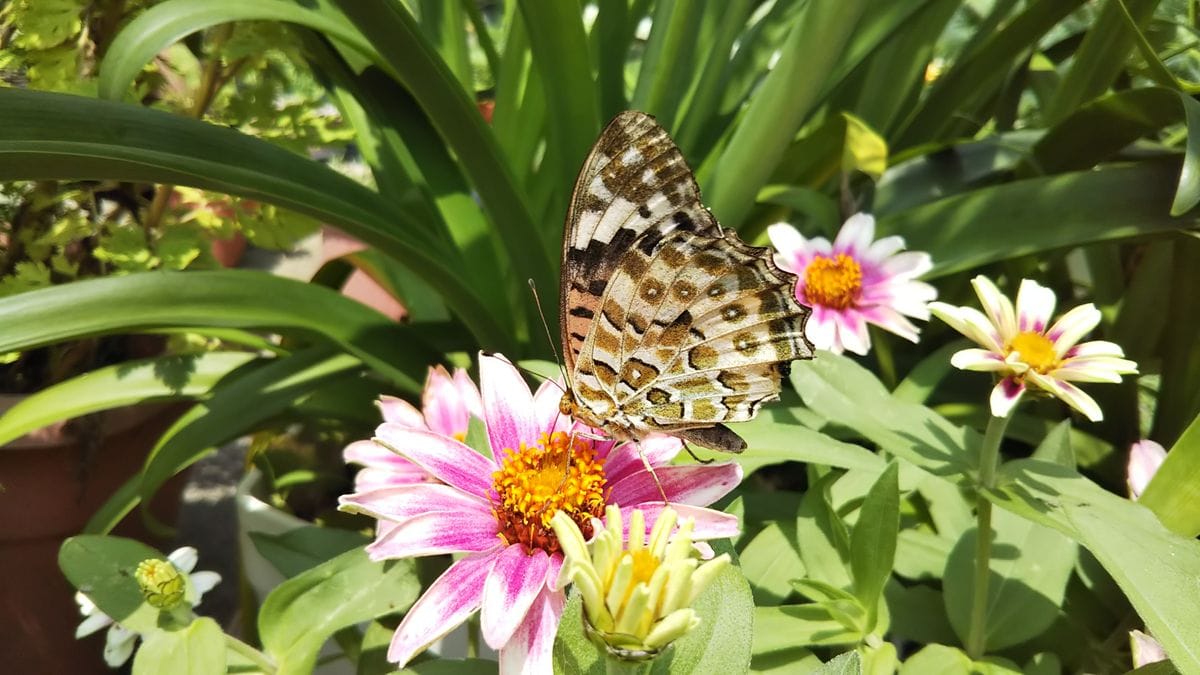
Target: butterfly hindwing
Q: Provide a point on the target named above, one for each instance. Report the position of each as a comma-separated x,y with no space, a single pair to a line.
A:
669,323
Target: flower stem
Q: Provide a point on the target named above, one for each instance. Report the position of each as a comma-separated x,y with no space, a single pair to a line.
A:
253,655
989,460
616,666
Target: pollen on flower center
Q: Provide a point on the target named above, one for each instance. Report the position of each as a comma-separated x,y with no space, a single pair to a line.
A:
1036,350
833,282
557,473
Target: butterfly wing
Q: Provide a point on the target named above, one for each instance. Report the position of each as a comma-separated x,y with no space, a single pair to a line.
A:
634,187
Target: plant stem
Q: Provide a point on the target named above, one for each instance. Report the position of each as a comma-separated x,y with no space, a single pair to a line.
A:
253,655
989,460
615,666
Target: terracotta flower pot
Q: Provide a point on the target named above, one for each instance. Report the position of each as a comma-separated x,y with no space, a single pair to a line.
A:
52,484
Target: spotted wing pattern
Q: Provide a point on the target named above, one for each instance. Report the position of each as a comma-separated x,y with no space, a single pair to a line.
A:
669,323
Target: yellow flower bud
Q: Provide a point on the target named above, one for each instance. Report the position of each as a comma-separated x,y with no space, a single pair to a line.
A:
162,585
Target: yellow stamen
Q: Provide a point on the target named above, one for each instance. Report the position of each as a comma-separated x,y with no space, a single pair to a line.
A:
1036,350
833,282
560,472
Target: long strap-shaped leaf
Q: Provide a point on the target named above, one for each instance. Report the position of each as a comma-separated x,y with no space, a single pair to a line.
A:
54,136
230,298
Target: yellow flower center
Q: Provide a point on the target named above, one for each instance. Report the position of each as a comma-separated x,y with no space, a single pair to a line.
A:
1036,350
560,472
833,282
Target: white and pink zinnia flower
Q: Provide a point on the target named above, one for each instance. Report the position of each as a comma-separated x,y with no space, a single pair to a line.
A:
853,282
496,509
1023,348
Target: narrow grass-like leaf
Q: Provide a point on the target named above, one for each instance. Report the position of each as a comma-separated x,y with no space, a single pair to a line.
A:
667,63
173,377
232,298
1100,57
787,96
1187,195
444,25
958,93
1038,215
1178,395
610,39
713,75
166,23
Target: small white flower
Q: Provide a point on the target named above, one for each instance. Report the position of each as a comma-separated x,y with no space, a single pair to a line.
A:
1144,459
1023,348
853,282
1145,649
119,643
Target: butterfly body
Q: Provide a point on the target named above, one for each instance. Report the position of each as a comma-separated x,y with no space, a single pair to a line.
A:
670,323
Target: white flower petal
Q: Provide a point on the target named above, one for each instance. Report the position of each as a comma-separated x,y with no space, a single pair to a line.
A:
822,330
890,320
118,645
204,582
908,265
787,240
856,235
980,360
1035,306
1072,326
1005,396
92,623
970,322
852,333
884,248
1069,394
184,558
1096,348
997,307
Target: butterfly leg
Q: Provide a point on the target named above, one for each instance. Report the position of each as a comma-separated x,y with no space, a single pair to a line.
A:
654,475
693,455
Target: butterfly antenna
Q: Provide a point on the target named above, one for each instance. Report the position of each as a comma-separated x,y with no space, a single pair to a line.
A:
536,375
549,336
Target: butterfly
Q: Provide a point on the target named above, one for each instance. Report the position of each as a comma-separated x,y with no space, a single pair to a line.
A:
669,323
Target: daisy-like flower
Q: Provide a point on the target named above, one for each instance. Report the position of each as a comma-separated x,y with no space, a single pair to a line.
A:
1024,349
853,282
120,641
637,598
1144,459
497,509
447,405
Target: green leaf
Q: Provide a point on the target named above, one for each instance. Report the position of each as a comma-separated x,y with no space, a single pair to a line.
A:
304,611
226,298
1174,492
668,62
1178,397
938,659
848,663
198,649
873,541
825,538
1155,568
102,568
303,548
165,378
774,437
789,93
162,25
1038,215
770,561
1030,567
788,626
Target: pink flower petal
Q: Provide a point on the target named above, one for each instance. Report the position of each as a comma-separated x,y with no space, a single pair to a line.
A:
1005,396
822,329
546,408
436,533
659,449
445,458
405,501
852,332
856,235
530,651
710,524
512,586
683,483
468,393
1144,459
891,321
448,602
401,412
407,474
507,405
445,411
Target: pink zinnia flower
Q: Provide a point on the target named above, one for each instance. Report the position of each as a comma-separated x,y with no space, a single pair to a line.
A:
1025,350
448,404
497,509
853,282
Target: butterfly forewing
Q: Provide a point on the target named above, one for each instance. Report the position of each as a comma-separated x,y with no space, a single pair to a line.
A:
669,324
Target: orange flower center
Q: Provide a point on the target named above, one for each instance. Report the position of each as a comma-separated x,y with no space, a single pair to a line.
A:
560,472
1036,350
833,282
